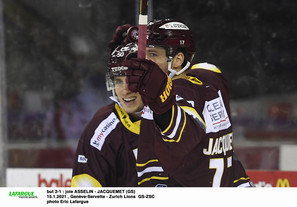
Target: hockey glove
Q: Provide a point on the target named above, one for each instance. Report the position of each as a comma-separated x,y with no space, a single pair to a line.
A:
124,34
154,86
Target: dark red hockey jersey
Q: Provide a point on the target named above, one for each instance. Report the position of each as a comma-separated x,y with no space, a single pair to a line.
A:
106,151
196,148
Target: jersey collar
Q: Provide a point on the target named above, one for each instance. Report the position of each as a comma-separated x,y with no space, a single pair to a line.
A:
125,119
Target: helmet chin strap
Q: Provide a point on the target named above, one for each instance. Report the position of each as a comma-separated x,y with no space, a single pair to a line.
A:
173,72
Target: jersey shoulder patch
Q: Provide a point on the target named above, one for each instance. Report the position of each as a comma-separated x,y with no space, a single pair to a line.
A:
206,66
103,130
215,115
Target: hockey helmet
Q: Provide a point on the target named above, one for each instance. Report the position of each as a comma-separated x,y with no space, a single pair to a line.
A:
173,35
114,68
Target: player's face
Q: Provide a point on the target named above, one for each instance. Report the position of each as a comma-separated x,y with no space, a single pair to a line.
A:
158,55
130,101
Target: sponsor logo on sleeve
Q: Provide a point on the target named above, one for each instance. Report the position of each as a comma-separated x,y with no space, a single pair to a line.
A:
215,115
82,159
103,130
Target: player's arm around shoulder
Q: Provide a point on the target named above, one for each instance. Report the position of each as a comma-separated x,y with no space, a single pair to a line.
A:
91,160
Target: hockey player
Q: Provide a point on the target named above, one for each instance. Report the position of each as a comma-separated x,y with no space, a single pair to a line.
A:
106,151
191,142
108,161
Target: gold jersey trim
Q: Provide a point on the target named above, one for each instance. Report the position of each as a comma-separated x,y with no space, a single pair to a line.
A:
154,178
194,80
144,164
194,113
124,117
242,178
181,132
206,66
84,180
172,116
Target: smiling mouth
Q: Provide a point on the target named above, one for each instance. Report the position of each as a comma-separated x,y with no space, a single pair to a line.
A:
127,100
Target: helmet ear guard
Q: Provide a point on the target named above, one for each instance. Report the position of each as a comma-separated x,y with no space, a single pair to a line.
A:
109,82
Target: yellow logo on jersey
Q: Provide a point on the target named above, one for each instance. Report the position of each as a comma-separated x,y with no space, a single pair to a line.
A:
194,80
164,96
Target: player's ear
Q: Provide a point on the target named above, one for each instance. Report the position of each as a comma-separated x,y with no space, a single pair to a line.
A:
178,60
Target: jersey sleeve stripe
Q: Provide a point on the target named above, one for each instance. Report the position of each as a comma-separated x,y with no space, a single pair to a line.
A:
153,177
173,111
149,170
144,164
178,119
191,111
181,132
244,185
242,178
